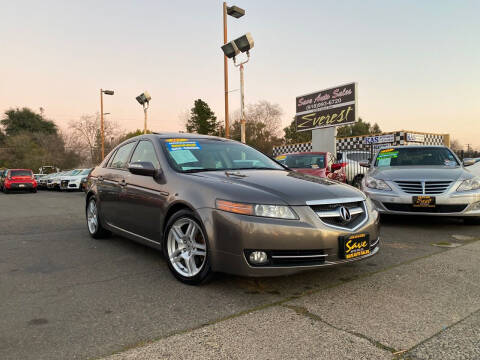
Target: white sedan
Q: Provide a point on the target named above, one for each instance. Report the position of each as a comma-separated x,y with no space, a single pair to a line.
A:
73,180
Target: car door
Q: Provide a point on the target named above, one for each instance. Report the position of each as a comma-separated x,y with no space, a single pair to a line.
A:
144,197
110,181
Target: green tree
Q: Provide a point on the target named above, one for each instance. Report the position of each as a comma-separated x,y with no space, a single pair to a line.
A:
18,120
202,119
294,137
358,128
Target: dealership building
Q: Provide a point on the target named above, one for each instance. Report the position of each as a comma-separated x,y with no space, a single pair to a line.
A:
364,143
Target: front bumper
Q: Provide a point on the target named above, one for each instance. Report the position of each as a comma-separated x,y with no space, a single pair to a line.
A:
232,235
450,203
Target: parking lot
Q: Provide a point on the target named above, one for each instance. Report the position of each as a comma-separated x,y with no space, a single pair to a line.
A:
64,295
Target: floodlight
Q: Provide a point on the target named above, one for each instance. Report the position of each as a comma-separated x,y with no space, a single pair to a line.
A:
235,11
144,98
230,50
244,43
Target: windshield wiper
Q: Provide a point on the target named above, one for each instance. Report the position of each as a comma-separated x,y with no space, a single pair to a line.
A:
201,170
255,168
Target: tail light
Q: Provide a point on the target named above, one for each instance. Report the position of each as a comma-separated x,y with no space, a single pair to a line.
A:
338,166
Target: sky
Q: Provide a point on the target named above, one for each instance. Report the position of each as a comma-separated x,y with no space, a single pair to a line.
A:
417,63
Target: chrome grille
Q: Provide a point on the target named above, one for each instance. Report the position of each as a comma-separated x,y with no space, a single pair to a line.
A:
423,187
436,187
330,214
410,187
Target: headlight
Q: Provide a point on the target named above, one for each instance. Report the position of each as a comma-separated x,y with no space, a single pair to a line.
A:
271,211
378,184
470,184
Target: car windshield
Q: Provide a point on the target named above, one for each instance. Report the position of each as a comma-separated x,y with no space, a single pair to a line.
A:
85,172
196,155
305,161
21,173
416,156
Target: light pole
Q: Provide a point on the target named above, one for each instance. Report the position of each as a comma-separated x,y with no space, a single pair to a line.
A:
236,12
144,100
106,92
231,50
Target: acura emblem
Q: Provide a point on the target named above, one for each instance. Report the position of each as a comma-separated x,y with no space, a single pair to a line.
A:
345,214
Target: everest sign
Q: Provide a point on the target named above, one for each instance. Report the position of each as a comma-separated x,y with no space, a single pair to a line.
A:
331,107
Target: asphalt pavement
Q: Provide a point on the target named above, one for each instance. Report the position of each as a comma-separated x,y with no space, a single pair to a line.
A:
64,295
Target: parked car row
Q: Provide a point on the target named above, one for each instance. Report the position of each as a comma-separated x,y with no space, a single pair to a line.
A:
65,180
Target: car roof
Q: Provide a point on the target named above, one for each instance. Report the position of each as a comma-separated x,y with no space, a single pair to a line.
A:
176,135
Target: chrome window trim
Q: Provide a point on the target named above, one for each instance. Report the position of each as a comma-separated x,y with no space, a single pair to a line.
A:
335,201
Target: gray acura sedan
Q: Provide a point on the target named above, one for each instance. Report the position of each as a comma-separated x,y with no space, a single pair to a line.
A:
423,180
213,204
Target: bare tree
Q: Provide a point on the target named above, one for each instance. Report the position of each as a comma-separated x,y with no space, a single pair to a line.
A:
86,133
263,126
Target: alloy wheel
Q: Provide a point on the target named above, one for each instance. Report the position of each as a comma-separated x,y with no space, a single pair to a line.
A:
92,216
186,247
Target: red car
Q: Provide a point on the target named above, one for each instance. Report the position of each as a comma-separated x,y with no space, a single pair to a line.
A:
19,179
321,164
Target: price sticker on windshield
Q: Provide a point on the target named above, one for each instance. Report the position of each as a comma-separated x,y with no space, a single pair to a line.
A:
183,145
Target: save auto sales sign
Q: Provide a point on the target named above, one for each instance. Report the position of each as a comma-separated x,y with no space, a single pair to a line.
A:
331,107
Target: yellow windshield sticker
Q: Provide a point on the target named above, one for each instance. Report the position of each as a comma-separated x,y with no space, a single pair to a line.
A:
175,140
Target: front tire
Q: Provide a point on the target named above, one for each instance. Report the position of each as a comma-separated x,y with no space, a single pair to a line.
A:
185,246
94,224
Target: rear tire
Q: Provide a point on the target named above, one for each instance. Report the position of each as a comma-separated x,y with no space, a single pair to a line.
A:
185,247
33,191
94,223
472,220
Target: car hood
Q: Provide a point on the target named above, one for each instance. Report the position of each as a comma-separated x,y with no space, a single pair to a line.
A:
276,187
420,173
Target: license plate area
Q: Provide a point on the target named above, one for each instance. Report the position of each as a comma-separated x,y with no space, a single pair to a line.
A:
423,201
352,246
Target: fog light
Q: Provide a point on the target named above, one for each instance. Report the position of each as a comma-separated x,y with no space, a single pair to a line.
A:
258,257
475,206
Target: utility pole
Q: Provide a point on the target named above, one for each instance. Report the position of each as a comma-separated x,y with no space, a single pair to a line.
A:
242,98
102,134
225,72
242,106
102,128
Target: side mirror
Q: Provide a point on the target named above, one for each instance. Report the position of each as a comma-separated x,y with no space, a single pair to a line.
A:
145,168
468,162
364,163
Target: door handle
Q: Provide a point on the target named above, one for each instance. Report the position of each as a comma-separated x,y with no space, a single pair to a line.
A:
100,178
123,182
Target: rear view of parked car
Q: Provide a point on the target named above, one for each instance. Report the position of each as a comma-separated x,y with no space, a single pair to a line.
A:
320,164
19,179
350,161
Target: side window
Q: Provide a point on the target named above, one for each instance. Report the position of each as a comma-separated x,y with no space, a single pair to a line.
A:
109,164
121,157
145,152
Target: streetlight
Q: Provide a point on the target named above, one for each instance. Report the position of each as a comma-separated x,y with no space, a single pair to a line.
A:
106,92
144,100
243,44
235,12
